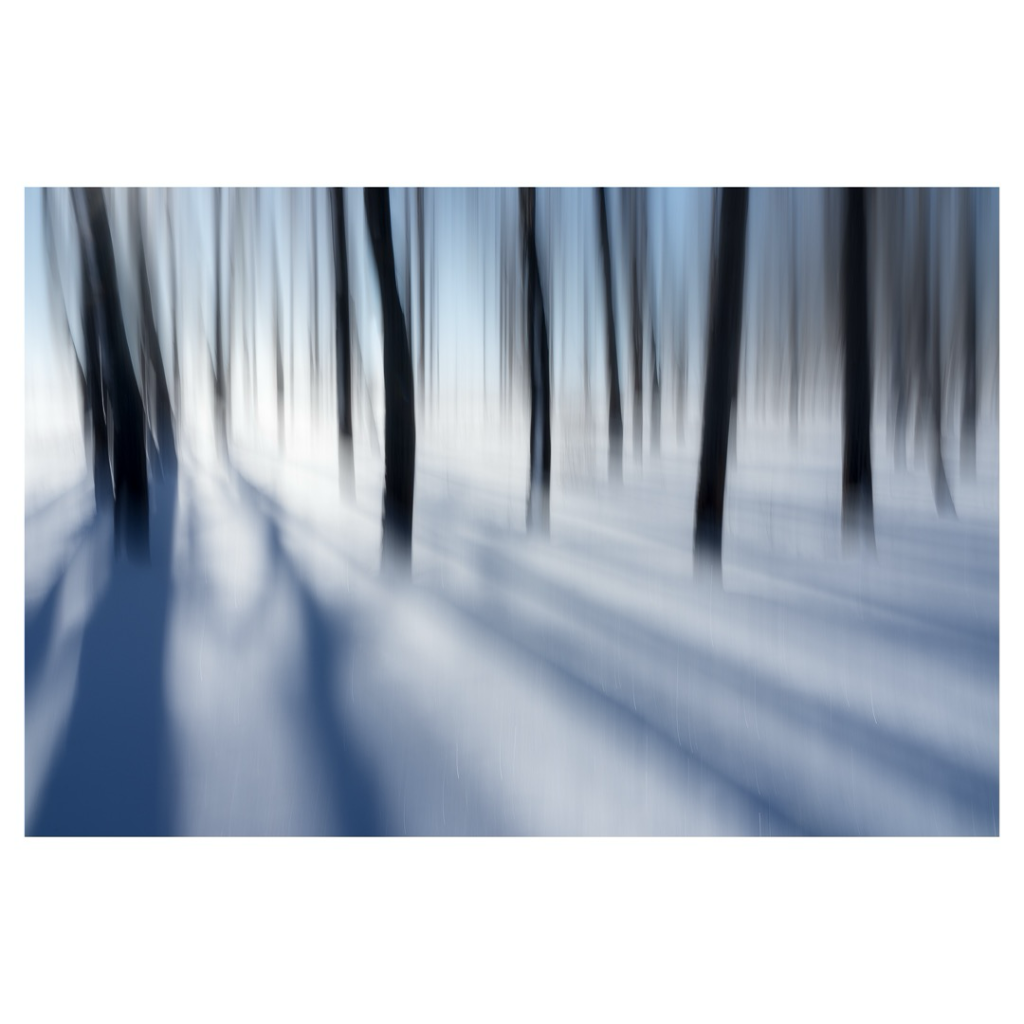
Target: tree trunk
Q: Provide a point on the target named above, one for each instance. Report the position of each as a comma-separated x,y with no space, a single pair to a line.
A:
858,506
131,486
538,506
723,344
611,351
399,397
968,422
943,499
420,268
343,344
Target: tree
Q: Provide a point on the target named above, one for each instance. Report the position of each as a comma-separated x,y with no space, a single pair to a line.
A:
858,507
126,416
969,259
399,398
343,344
611,352
725,321
538,506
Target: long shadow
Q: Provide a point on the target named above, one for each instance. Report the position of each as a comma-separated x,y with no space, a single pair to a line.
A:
39,622
355,799
114,774
901,756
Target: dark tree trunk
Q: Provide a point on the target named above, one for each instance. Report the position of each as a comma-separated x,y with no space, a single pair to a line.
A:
399,397
131,486
162,413
723,345
611,350
858,505
538,506
968,422
343,344
940,484
423,319
655,393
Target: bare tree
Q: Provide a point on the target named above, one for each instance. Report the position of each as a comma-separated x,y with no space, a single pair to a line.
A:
725,323
126,415
538,507
399,397
611,352
858,507
343,344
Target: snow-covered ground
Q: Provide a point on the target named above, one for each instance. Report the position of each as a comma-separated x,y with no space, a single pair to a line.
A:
261,677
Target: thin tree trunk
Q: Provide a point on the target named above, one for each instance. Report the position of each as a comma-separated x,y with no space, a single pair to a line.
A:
399,396
611,353
725,323
343,344
423,322
858,505
969,417
538,506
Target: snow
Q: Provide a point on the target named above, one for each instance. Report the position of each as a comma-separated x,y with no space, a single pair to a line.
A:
261,677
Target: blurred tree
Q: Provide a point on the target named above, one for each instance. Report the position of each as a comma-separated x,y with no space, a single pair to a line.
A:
343,344
123,401
611,350
725,322
635,228
969,262
420,267
538,506
399,397
858,507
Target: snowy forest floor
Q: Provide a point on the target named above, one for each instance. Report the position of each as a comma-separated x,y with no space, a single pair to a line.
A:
261,677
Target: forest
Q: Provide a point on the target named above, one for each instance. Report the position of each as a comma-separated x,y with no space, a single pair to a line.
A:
512,511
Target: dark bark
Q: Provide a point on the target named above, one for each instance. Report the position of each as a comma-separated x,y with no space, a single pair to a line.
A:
423,320
399,397
723,345
127,418
343,344
858,505
538,506
611,349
